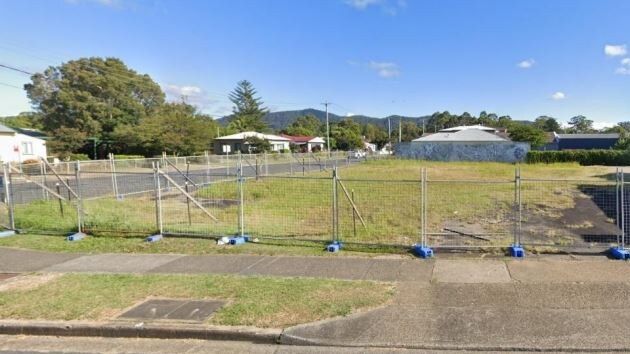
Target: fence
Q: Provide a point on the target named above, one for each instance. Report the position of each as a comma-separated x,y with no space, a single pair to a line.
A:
209,196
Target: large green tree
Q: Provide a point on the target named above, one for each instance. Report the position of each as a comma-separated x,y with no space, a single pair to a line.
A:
548,124
90,98
346,135
248,109
307,125
175,128
527,133
581,124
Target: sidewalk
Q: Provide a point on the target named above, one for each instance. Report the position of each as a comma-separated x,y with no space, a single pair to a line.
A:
548,303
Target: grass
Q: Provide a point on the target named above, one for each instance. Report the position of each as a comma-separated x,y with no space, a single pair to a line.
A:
386,194
252,301
184,245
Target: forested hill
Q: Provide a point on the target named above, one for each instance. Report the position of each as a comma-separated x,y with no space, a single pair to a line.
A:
282,119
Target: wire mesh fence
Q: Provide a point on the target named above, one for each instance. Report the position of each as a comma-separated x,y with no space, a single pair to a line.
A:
214,196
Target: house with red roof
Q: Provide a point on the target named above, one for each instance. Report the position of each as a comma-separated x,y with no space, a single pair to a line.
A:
305,143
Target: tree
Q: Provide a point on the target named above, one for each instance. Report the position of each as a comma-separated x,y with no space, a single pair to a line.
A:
375,135
176,128
90,98
547,124
346,135
248,109
410,131
29,120
581,124
258,145
307,125
527,133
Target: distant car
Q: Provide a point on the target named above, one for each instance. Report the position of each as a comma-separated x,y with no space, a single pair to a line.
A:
358,154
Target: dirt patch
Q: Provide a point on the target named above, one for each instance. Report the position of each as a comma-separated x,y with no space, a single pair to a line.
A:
27,282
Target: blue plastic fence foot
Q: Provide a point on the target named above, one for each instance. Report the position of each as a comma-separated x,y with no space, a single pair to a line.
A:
238,240
334,247
619,253
154,238
7,233
423,251
76,236
517,251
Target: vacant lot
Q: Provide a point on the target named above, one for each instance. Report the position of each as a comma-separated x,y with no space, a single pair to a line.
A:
253,301
469,204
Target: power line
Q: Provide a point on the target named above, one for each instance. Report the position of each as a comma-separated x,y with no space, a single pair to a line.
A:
16,69
9,85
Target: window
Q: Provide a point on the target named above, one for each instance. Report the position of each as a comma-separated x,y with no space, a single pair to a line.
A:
27,148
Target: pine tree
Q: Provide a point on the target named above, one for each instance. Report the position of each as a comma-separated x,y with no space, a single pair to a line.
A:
248,109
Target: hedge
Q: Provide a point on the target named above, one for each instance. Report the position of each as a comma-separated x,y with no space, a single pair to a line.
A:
583,157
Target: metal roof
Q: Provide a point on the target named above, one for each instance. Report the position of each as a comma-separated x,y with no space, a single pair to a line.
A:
588,136
245,135
5,129
468,135
467,127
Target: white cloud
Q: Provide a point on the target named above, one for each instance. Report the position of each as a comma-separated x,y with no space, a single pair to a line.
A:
526,64
625,61
615,50
193,95
602,125
389,7
558,95
623,70
385,69
350,114
101,2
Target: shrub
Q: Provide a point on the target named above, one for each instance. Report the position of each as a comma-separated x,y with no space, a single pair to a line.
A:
127,157
583,157
73,157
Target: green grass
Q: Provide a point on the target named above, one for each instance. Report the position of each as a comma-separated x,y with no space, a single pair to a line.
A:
253,301
385,192
185,245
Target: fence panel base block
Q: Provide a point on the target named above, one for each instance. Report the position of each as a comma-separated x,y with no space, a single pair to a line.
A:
154,238
334,247
619,253
238,240
517,251
7,233
423,251
76,236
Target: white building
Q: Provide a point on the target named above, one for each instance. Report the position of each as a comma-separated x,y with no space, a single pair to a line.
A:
230,144
18,147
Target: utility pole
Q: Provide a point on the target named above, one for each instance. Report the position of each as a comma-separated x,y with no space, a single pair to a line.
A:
399,130
389,129
326,103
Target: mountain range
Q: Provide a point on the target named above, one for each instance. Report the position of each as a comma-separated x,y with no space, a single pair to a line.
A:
282,119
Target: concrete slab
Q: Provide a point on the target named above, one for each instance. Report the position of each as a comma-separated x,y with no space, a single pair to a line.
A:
167,309
577,296
470,271
18,260
209,264
114,263
547,271
329,267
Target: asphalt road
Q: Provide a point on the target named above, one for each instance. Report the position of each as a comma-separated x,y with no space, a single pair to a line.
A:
101,184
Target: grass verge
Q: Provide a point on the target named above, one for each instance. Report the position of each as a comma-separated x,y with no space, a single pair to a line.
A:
183,245
252,301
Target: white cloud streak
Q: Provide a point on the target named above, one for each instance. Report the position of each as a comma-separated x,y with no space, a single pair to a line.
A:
618,50
385,70
558,96
193,95
526,64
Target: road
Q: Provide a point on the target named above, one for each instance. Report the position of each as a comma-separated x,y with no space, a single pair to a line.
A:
101,184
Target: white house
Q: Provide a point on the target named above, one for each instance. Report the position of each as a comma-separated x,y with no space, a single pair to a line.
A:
18,147
230,144
306,143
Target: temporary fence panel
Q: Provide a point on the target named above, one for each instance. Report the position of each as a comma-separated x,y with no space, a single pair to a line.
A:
470,213
379,211
570,213
288,207
194,207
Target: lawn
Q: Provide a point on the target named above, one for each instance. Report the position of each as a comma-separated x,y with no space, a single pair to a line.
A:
469,204
252,301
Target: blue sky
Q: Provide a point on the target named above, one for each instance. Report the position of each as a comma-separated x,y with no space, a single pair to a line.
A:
374,57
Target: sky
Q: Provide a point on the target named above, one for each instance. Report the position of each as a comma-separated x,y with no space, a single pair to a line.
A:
374,57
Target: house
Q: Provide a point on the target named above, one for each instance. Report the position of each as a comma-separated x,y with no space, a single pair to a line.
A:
582,141
18,147
231,144
306,143
465,143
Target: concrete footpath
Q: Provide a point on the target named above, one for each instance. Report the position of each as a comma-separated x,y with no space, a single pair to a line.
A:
543,303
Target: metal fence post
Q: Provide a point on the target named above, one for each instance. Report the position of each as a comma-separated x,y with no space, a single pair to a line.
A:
8,197
266,164
43,172
520,207
241,200
623,211
77,177
158,198
423,207
112,168
335,221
